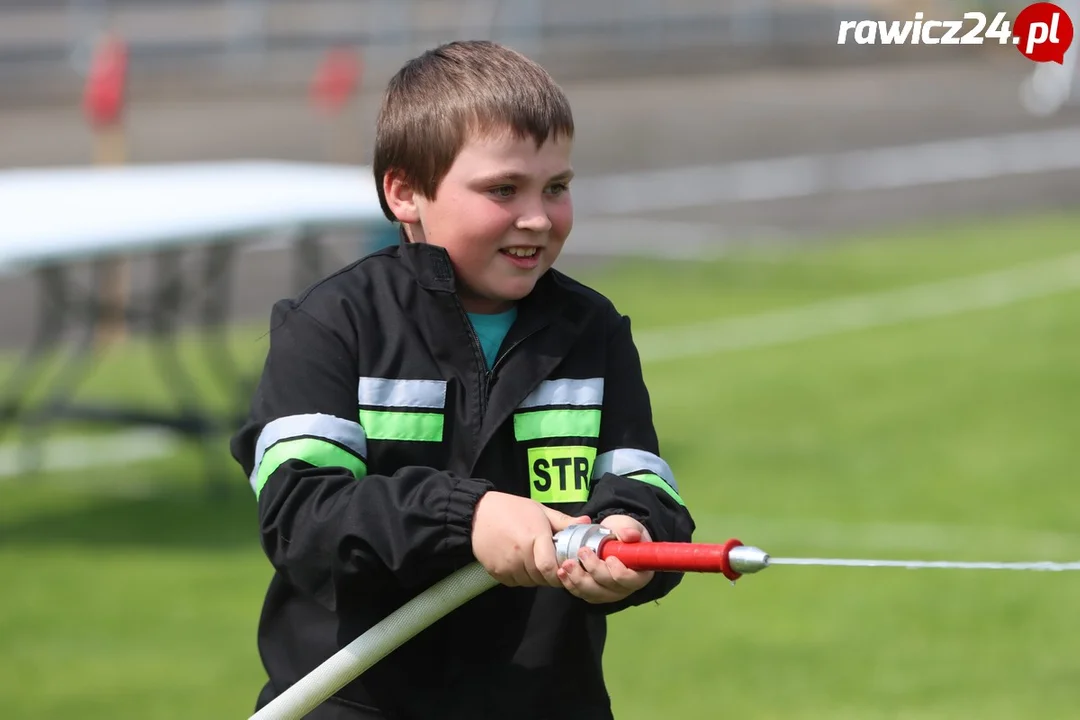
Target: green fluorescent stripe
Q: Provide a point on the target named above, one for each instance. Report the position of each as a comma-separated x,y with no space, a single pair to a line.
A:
556,423
312,451
390,425
657,481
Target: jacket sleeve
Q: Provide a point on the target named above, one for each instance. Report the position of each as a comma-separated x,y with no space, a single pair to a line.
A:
326,524
630,477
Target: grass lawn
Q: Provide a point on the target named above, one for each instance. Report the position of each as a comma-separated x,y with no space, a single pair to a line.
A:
129,594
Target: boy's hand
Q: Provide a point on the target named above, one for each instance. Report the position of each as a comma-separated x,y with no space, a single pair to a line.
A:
512,539
603,581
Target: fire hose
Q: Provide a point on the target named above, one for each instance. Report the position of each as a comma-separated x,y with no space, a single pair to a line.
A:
731,559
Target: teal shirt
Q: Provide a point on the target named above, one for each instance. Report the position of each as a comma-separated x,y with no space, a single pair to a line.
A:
491,329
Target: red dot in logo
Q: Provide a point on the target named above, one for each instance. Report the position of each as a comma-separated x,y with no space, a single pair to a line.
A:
1043,32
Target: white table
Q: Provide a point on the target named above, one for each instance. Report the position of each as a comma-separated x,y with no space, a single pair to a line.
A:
52,218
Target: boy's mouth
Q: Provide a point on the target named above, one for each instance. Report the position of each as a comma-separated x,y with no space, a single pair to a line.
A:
521,252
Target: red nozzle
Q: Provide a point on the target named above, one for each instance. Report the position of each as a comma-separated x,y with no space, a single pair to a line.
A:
674,557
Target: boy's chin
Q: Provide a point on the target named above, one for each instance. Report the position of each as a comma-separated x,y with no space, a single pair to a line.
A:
516,290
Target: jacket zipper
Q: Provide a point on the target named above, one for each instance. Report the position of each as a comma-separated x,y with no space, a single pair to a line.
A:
510,349
498,361
478,355
485,377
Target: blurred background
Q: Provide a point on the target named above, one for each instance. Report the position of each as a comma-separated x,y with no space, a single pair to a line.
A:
852,271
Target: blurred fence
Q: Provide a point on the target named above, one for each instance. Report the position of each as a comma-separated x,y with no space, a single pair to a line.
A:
45,45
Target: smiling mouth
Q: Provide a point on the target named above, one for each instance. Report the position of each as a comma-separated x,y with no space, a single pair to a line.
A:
521,252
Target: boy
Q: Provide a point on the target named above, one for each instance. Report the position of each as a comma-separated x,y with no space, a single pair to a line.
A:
454,399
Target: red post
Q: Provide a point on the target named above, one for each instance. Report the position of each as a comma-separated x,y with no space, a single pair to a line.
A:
104,100
335,83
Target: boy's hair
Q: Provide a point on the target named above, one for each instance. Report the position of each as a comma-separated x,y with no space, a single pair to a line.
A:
455,92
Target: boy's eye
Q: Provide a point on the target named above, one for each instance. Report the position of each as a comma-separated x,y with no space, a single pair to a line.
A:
503,191
558,188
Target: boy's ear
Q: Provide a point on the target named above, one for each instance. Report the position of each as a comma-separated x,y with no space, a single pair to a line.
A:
400,197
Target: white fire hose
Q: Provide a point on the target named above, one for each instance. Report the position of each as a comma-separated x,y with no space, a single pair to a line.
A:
392,631
455,590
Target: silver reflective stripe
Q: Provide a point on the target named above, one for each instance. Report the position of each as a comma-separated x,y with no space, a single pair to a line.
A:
384,392
566,392
328,427
626,461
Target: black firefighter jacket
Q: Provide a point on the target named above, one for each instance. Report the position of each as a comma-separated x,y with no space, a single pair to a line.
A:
374,431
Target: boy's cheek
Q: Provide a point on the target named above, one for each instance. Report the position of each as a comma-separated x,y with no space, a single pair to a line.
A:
562,221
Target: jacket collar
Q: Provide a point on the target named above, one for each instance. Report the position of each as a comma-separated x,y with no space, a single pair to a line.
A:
431,266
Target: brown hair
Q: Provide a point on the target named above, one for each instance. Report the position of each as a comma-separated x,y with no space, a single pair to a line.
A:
440,99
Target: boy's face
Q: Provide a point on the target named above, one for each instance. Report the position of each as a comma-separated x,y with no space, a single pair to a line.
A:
502,212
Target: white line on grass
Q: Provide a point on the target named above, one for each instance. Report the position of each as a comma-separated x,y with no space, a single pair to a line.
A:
79,453
638,237
951,297
882,168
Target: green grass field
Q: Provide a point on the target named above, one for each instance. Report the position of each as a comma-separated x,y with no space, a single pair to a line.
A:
128,594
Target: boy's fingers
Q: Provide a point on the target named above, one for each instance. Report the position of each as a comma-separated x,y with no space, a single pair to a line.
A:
507,577
599,581
625,577
626,528
560,521
600,571
532,575
628,534
527,573
613,574
546,563
581,584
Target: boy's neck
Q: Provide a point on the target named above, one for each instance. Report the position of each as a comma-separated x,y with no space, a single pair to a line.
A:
475,305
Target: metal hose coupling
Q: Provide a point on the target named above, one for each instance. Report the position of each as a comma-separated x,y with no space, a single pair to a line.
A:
570,541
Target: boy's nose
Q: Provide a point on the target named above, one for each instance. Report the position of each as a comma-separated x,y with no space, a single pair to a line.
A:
535,221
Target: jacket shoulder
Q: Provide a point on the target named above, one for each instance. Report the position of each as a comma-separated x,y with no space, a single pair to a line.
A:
348,290
592,298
